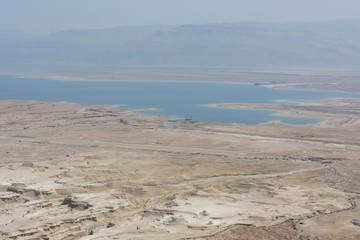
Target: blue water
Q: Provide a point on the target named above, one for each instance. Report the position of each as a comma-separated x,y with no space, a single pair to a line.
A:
180,100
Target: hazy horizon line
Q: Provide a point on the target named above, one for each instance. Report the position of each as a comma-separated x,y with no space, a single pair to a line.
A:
178,25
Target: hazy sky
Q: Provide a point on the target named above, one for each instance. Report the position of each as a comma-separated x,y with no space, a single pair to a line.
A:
46,16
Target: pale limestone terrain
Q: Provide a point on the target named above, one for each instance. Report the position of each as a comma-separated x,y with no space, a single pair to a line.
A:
96,172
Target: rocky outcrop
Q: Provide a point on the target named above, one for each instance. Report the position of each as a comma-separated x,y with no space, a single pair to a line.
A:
21,188
41,231
74,202
355,222
17,188
8,196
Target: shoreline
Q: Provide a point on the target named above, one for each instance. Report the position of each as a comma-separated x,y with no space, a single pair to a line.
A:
346,82
324,110
282,109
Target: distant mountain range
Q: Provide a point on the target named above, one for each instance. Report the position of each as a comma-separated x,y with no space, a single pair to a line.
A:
239,45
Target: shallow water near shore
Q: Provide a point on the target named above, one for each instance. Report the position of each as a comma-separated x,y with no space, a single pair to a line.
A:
177,99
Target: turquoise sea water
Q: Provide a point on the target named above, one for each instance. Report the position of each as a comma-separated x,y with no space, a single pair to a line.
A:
179,100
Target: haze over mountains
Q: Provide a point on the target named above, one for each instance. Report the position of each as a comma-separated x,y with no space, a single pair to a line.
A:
241,45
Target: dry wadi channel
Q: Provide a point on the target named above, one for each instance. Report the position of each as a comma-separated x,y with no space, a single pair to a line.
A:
96,172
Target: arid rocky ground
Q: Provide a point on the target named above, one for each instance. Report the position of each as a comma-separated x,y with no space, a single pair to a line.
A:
96,172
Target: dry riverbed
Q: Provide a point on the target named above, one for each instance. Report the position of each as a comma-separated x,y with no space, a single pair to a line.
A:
96,172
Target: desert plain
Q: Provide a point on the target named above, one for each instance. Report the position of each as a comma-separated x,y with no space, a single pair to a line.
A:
100,172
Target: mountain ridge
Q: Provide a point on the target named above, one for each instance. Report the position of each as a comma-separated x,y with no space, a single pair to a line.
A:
245,44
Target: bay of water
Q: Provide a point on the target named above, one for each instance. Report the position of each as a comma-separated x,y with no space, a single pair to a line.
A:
179,100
